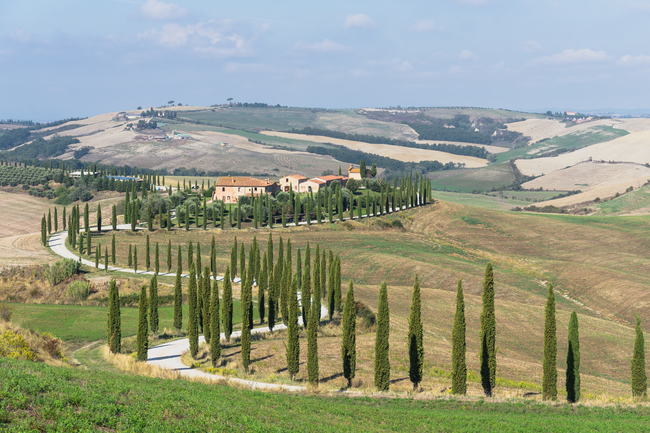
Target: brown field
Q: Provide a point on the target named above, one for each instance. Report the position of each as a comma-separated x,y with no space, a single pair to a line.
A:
599,267
489,148
630,148
405,154
589,175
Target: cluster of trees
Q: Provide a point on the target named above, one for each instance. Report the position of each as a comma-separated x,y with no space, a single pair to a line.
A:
476,151
392,167
12,175
41,148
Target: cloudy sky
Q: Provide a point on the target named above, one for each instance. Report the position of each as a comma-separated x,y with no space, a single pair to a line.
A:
80,58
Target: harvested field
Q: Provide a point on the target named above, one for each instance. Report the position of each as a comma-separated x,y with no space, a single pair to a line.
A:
589,175
539,129
630,148
405,154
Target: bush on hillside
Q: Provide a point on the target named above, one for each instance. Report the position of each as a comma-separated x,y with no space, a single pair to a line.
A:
78,290
62,270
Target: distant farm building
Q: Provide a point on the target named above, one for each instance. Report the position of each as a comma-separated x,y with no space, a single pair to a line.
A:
229,189
355,173
317,183
292,182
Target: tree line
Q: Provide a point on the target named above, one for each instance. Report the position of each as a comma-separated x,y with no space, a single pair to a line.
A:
476,151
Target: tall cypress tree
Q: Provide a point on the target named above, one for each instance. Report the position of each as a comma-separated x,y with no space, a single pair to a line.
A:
56,220
306,294
233,258
382,363
242,262
337,284
113,249
98,253
114,217
147,255
262,286
293,343
323,275
331,292
415,345
135,258
142,339
178,294
639,377
488,334
114,319
153,305
317,295
169,255
459,345
156,266
168,220
226,308
573,361
199,298
86,219
246,293
190,254
349,343
99,219
549,379
199,263
207,292
193,323
215,328
129,262
106,258
312,347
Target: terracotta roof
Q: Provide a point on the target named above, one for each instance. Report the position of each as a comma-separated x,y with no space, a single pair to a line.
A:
331,177
297,176
317,180
241,181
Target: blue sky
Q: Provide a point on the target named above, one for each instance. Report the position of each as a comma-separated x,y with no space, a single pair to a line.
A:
81,58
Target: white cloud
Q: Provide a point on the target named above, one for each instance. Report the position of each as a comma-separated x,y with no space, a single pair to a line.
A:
402,66
159,10
360,73
530,47
213,38
572,56
466,55
361,21
424,25
628,60
25,37
326,46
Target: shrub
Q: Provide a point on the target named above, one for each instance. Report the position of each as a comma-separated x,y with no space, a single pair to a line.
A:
14,346
365,314
50,194
78,290
25,186
5,312
61,270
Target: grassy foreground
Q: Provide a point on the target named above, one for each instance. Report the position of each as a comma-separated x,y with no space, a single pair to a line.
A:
36,396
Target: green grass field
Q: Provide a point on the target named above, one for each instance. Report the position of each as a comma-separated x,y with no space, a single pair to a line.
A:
505,200
37,397
637,200
449,112
88,323
482,179
257,118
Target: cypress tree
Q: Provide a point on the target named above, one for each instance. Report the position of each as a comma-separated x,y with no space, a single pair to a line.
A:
488,334
190,254
339,204
299,269
193,323
549,380
573,361
362,169
207,287
459,345
330,211
639,377
415,345
89,241
199,264
147,255
168,220
205,216
213,256
134,217
153,305
114,217
233,258
331,292
238,215
86,219
81,241
349,343
43,231
306,293
312,347
99,219
114,319
187,217
113,249
242,262
230,217
178,294
215,329
293,343
337,284
296,214
199,299
98,253
129,262
142,339
382,364
106,258
157,259
63,220
226,308
56,220
262,286
323,275
246,293
169,255
135,258
317,294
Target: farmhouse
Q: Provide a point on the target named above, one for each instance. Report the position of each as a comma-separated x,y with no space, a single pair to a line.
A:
229,189
355,173
293,182
317,183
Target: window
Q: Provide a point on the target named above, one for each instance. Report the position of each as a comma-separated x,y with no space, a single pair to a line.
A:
255,188
223,189
239,188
